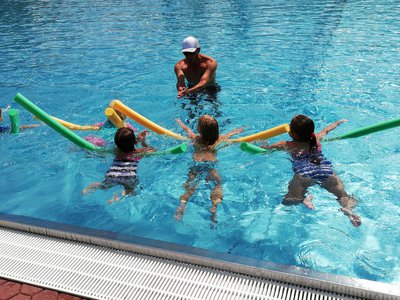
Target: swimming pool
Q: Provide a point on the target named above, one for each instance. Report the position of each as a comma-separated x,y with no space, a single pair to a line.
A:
327,59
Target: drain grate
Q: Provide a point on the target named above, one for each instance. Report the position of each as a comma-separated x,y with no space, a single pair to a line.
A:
102,273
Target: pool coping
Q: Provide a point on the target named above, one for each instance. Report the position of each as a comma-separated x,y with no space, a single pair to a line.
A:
207,258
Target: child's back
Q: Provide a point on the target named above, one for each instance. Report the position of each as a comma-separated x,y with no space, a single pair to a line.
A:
123,170
310,166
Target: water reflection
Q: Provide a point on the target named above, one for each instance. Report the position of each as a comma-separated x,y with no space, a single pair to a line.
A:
203,102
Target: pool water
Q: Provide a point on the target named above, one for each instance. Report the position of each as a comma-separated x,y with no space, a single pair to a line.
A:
327,59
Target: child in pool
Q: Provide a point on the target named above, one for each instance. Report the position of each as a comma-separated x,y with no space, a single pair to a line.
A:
311,167
8,128
124,167
205,157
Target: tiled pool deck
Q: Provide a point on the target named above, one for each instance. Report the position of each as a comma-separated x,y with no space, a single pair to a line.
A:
11,290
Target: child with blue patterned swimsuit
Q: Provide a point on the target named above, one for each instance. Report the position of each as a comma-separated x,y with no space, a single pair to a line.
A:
123,170
205,157
311,167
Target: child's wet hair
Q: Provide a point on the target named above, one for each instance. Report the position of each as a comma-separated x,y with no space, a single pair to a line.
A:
208,129
304,127
125,139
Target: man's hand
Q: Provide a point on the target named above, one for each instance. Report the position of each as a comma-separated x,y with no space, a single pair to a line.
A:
182,91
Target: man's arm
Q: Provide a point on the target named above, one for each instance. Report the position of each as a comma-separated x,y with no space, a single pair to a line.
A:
180,77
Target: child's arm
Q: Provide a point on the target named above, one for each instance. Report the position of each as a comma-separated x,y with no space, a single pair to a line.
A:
189,131
224,137
282,145
145,147
329,128
22,127
142,138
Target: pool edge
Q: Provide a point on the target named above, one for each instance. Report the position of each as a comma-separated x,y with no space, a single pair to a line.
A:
207,258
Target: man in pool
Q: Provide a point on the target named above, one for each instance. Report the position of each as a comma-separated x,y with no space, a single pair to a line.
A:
198,69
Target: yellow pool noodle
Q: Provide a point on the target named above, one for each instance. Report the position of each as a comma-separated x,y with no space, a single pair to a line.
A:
118,105
269,133
73,126
114,118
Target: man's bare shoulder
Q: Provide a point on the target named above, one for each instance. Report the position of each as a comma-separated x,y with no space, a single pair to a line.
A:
208,59
180,63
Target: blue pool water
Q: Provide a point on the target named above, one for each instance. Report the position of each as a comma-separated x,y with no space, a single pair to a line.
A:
327,59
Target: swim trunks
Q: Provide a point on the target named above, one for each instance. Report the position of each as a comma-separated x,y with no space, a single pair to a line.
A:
212,88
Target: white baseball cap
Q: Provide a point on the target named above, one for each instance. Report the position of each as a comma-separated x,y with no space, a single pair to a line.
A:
190,44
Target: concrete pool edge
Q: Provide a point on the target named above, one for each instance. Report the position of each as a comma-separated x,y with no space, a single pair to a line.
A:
227,262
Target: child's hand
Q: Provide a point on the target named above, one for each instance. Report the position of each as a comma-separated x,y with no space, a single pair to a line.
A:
342,121
239,130
265,144
142,135
179,122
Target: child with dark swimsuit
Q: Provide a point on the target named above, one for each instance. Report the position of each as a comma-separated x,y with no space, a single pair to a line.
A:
123,170
204,157
311,167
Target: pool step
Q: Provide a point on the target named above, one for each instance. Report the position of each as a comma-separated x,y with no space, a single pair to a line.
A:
98,272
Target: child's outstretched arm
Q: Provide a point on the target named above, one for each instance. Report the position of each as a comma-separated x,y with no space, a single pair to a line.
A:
326,130
282,145
22,127
190,133
224,137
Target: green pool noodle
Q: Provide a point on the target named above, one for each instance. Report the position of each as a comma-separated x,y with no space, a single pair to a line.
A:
173,150
44,117
368,130
177,149
14,119
252,149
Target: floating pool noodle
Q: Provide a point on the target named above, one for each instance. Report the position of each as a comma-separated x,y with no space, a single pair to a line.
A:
252,149
278,130
118,105
367,130
173,150
114,118
61,129
14,119
177,149
73,126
